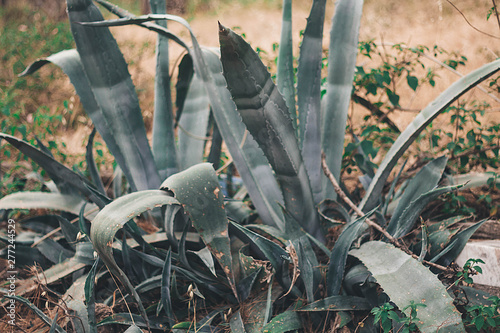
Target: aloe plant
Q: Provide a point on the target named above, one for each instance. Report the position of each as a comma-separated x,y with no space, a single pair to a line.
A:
203,256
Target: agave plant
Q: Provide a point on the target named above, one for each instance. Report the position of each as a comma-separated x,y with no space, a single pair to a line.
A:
205,270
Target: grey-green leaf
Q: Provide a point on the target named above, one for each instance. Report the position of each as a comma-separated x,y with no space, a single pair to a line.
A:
90,297
133,329
265,114
309,95
457,244
412,211
404,279
44,200
271,251
113,217
61,174
339,253
164,148
285,73
197,189
284,322
341,63
114,92
91,165
236,323
424,181
248,158
193,124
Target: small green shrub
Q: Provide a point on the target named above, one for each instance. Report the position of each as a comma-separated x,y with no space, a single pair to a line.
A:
469,270
484,318
386,316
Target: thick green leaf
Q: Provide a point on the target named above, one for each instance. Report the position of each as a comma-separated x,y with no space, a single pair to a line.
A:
185,75
57,170
248,158
424,118
284,322
166,300
169,225
424,181
76,291
90,297
339,253
236,323
148,285
133,329
206,257
341,63
446,224
92,166
424,247
411,212
251,163
82,309
70,62
240,212
84,253
197,189
456,245
333,213
164,148
404,279
270,250
69,230
45,200
266,117
79,318
308,266
113,217
246,284
439,240
285,74
309,95
53,251
114,92
53,325
388,203
193,124
256,314
338,303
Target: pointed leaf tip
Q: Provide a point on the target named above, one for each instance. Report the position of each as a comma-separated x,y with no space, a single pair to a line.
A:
222,29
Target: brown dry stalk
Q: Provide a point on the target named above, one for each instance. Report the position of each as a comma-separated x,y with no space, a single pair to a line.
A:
372,224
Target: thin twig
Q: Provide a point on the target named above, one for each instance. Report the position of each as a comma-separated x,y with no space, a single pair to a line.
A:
496,12
470,24
372,224
474,152
194,136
